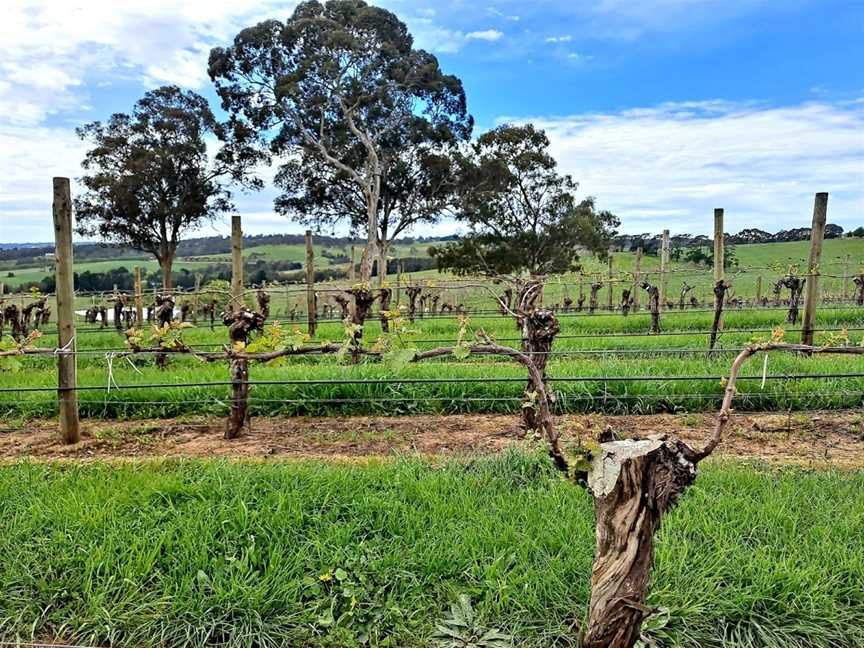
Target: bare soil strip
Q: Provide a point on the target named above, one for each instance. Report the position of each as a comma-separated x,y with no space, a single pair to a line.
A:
815,439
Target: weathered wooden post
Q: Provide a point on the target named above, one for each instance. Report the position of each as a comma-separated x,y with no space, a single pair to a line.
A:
664,269
139,299
758,290
398,281
310,284
718,245
237,302
719,271
636,279
352,277
195,299
66,358
845,280
817,234
609,296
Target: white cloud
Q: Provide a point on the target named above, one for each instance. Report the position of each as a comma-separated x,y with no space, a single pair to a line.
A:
48,51
500,14
559,39
487,35
670,165
433,37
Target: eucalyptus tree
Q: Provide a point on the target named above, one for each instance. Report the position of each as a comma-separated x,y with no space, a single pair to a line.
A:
340,85
149,177
522,214
417,187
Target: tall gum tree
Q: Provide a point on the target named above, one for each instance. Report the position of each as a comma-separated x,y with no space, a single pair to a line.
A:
416,187
522,215
340,83
149,177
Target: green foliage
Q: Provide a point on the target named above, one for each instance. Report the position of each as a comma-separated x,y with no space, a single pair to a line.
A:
276,338
522,214
168,336
161,144
9,363
461,629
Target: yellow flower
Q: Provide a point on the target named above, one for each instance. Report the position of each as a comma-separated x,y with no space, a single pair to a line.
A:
326,576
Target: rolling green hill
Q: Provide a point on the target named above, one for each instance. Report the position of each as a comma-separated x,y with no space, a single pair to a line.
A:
753,260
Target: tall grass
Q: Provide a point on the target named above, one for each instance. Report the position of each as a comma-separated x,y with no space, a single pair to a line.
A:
199,553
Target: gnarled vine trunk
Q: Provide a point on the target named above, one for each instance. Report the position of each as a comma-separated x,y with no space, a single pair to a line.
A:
539,328
796,287
384,296
720,289
653,305
592,303
413,292
241,324
634,482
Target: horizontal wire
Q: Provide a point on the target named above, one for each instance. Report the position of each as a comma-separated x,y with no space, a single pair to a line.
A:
560,396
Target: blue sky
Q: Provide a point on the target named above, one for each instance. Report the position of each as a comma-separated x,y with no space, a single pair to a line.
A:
662,109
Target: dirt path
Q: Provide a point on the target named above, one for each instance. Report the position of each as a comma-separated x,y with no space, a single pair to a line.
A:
804,438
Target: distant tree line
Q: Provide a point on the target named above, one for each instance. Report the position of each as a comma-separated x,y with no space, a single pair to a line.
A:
650,243
28,257
256,271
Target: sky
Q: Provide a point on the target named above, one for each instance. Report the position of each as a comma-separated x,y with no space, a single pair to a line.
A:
661,109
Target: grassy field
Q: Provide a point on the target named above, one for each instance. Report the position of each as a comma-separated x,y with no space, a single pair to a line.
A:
590,349
764,259
206,553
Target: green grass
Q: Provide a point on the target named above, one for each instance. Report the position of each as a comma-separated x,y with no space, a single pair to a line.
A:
631,356
197,553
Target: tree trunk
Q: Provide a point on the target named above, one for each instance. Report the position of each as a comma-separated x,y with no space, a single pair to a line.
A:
634,483
165,264
370,252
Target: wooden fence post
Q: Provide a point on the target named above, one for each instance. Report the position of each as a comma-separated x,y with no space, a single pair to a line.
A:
758,289
237,301
845,279
719,266
66,358
609,295
664,269
718,245
139,302
817,233
195,299
352,276
310,284
398,281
